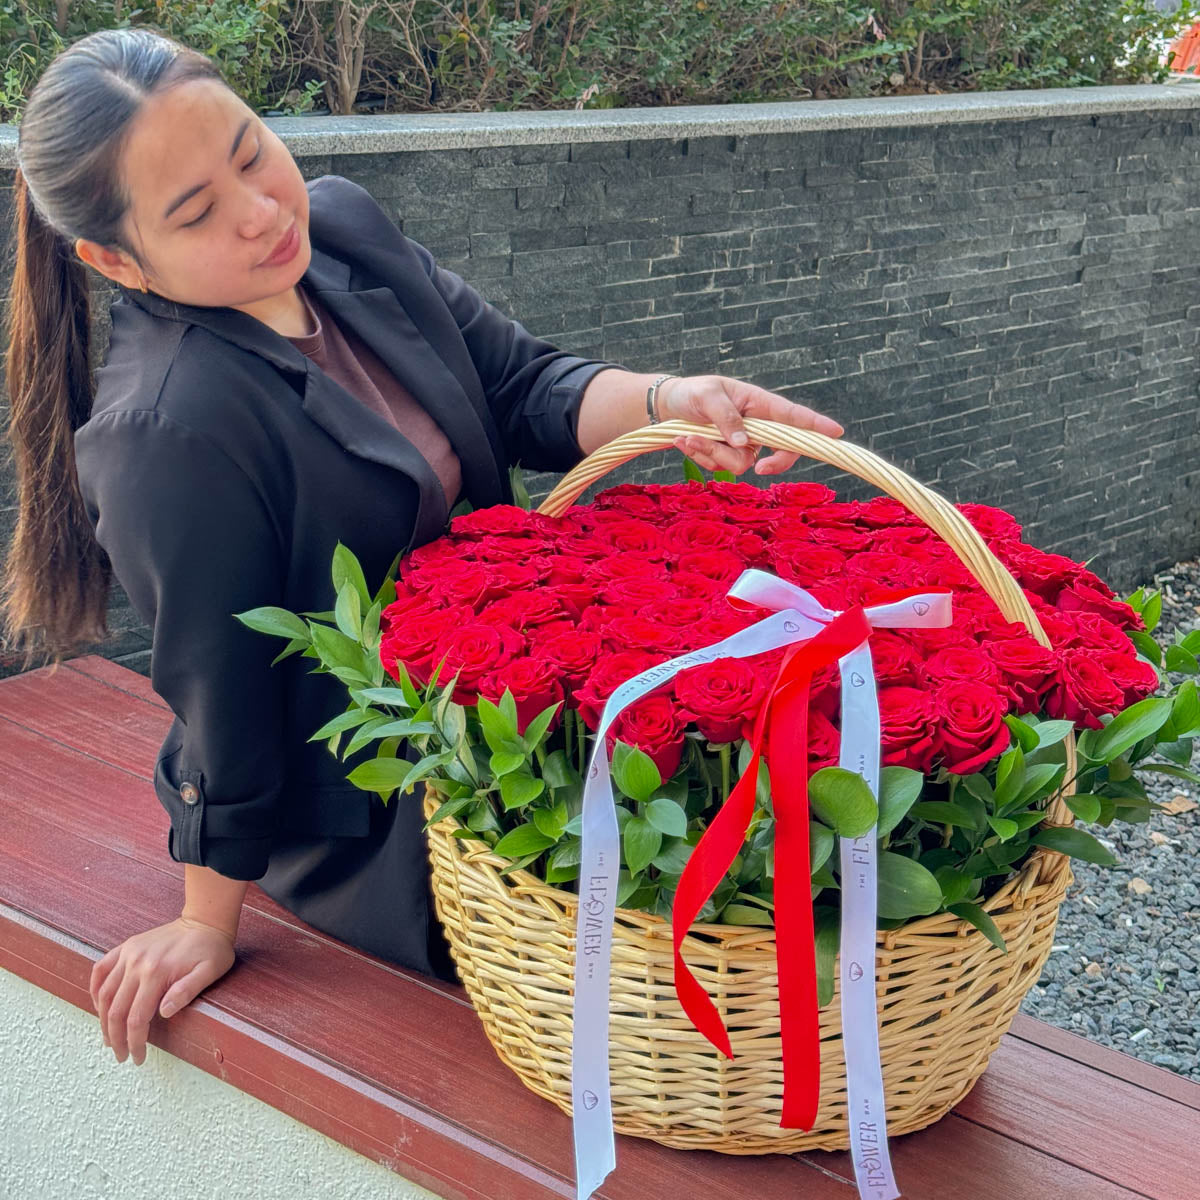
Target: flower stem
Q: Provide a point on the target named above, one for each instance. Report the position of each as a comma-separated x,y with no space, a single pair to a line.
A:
724,771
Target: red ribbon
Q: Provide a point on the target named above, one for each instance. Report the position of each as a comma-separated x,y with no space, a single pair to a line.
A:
783,719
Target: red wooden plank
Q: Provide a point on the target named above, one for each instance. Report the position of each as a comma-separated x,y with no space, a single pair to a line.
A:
1107,1060
1122,1132
97,667
386,1027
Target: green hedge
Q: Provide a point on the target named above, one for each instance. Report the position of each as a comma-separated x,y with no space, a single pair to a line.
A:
421,56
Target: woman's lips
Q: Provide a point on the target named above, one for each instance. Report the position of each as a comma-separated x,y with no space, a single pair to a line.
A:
285,249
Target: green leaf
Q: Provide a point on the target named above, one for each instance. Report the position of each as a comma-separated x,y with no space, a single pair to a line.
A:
634,772
394,696
641,841
343,721
724,476
518,789
955,884
346,569
821,841
673,856
745,914
1136,722
843,801
940,812
504,761
498,731
980,787
691,471
1152,611
899,788
520,492
1010,777
1003,827
379,774
568,853
974,915
536,729
1076,843
296,644
337,650
1178,772
348,612
906,889
1026,735
525,839
276,621
558,772
1050,733
508,709
1085,806
827,931
1185,711
667,817
550,821
1041,780
449,809
1146,646
364,734
1178,659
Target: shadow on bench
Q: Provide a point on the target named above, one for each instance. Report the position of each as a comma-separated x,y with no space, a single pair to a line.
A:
397,1067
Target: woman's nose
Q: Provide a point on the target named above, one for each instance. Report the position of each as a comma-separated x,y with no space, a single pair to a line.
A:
261,215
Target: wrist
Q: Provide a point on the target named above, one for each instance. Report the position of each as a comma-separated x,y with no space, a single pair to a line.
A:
194,923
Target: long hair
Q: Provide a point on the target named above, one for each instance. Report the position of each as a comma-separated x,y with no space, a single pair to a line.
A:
56,577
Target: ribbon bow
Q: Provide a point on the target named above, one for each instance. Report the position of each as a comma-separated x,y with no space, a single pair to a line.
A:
815,636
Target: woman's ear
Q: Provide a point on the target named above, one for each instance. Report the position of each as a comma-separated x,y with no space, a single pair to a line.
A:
113,264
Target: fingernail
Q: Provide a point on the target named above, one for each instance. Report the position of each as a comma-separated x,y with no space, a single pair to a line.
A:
167,1010
738,439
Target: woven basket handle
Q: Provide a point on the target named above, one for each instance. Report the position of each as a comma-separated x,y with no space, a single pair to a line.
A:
937,512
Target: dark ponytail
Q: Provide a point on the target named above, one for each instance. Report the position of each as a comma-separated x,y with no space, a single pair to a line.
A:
54,590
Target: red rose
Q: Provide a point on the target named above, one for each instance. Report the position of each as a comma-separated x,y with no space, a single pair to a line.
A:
695,586
884,512
466,582
523,611
1083,690
972,730
629,595
1091,629
804,563
799,495
894,663
721,565
752,517
991,522
608,674
678,611
1079,596
630,534
690,497
499,518
534,686
719,697
909,727
414,639
654,726
702,533
473,650
624,632
824,741
1027,670
572,654
961,662
631,499
624,565
736,493
1133,675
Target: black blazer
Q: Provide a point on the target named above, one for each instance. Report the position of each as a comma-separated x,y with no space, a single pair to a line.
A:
220,467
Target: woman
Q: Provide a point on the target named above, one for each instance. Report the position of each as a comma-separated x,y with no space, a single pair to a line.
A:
286,370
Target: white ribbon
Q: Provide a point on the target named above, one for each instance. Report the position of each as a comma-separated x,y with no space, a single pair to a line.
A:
798,617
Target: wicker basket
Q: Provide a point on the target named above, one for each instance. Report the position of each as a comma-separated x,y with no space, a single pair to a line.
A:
946,996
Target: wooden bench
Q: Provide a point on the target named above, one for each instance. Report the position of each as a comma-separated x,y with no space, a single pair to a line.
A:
396,1066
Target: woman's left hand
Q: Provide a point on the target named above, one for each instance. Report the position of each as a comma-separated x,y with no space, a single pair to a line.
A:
723,402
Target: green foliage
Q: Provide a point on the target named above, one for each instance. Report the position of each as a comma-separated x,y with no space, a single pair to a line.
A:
426,55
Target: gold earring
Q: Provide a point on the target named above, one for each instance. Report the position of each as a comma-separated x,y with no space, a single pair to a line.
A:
142,284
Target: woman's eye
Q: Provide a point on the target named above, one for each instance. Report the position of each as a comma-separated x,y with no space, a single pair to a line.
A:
189,224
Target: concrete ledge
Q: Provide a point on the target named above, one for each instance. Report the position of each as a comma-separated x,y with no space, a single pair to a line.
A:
390,133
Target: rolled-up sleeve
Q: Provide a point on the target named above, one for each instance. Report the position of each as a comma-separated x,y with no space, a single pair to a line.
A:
534,390
192,543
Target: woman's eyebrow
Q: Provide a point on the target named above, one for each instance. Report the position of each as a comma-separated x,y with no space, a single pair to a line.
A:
237,141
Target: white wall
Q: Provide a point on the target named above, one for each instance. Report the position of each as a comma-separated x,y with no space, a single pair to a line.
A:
77,1125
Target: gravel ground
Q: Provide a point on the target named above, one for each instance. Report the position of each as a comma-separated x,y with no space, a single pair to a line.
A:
1125,966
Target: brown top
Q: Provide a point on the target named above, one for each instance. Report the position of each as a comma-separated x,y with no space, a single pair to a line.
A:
353,364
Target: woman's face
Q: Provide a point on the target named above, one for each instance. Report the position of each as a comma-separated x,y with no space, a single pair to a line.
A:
213,192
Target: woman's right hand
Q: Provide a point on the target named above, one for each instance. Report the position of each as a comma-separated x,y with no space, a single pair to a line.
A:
171,963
